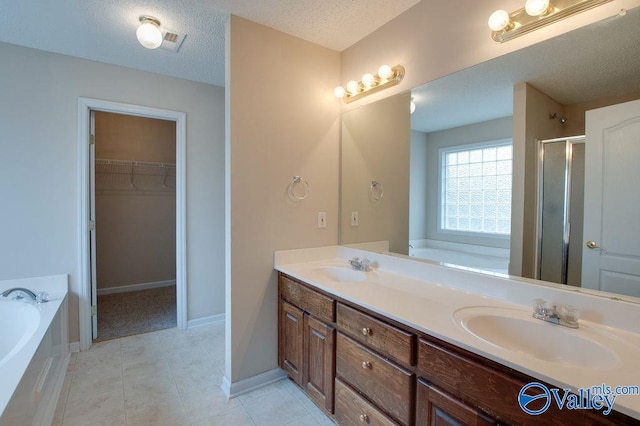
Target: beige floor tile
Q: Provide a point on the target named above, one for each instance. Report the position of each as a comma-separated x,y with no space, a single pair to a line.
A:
138,340
260,392
196,378
101,348
161,412
93,408
206,403
307,420
135,353
146,367
87,365
140,391
276,408
95,384
236,416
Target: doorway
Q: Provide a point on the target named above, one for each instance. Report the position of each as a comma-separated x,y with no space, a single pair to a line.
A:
133,209
88,290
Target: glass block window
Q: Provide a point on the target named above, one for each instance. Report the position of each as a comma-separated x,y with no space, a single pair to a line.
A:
476,188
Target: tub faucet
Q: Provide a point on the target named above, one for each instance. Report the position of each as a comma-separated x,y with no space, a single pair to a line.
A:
21,294
566,316
360,265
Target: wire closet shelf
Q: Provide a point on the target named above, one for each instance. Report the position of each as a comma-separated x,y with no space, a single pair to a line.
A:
125,174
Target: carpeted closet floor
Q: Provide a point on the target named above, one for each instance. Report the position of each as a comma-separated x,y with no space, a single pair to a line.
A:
136,312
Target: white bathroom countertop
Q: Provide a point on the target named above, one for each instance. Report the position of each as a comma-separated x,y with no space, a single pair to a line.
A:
431,299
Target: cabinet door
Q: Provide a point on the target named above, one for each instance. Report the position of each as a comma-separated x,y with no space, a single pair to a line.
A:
319,365
437,408
290,341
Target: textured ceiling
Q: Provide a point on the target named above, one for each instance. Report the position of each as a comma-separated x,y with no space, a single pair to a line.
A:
593,62
104,30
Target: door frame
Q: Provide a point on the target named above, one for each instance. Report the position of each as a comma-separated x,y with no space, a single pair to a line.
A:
85,105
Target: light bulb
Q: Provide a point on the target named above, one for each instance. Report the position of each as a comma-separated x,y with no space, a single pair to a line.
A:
385,72
353,87
368,80
412,107
339,92
499,20
148,33
536,7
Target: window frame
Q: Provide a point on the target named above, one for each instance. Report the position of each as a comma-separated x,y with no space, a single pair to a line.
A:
442,189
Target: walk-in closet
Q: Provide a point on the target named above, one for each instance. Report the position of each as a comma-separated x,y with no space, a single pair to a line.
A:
135,224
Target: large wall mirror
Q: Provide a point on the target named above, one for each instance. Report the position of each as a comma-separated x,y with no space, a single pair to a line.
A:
486,168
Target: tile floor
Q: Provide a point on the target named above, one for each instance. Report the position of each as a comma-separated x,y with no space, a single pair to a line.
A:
171,377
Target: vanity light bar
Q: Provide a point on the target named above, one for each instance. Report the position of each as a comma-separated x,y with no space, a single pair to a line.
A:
387,77
506,26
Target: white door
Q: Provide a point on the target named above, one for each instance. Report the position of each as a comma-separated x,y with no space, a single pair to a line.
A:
611,256
92,224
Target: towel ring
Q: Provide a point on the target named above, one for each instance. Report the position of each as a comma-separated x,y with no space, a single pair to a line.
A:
299,188
376,191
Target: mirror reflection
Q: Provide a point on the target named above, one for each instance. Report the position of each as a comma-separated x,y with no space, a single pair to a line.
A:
486,174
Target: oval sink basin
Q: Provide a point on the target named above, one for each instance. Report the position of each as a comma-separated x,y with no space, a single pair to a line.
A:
518,331
343,274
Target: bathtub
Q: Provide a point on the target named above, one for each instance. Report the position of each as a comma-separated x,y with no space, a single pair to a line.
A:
464,256
34,351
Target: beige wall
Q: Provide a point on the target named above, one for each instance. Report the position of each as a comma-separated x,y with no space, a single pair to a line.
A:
376,144
135,232
39,174
532,109
282,120
418,182
132,138
575,113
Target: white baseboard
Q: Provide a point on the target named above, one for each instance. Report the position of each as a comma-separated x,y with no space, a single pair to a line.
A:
136,287
74,347
231,390
199,322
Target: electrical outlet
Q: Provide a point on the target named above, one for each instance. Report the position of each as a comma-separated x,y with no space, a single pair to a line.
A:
322,219
354,218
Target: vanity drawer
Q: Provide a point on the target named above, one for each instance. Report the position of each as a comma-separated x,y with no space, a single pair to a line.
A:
353,409
386,384
378,335
316,304
493,388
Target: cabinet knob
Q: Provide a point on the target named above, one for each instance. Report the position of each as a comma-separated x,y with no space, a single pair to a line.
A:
364,418
366,331
366,365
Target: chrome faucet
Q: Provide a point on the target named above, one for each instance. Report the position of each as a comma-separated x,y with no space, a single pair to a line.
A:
567,316
360,265
22,292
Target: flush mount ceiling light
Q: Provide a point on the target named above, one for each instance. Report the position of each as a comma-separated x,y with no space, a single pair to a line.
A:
535,14
387,77
148,33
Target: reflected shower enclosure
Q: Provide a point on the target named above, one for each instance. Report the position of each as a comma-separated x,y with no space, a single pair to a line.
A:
560,209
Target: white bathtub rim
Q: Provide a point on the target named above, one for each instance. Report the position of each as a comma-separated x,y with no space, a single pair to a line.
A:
15,367
32,326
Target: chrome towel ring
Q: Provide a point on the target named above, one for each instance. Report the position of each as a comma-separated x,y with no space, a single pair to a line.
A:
299,188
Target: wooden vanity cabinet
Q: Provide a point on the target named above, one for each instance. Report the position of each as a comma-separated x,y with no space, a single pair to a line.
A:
436,407
291,340
306,340
376,371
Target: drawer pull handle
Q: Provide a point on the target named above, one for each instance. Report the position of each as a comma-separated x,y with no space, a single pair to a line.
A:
364,418
366,365
366,331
